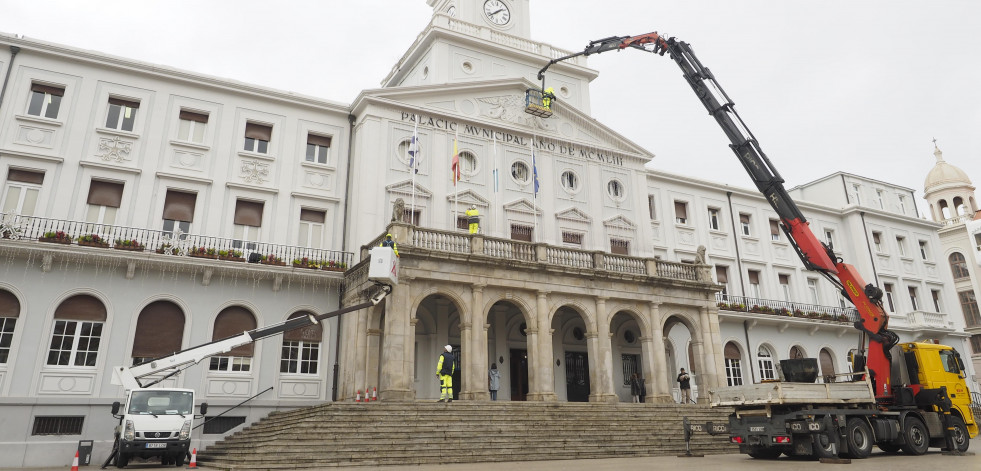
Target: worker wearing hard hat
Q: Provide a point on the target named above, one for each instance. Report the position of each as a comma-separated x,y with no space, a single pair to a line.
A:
547,98
388,242
445,368
473,218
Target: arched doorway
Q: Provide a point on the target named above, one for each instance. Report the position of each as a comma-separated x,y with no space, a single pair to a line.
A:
437,325
569,344
629,350
507,347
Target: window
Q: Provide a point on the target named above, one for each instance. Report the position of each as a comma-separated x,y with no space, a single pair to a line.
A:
257,137
570,181
976,344
122,114
887,287
774,230
572,238
412,216
858,194
713,219
797,352
301,348
519,172
829,238
615,189
9,312
754,284
958,265
77,332
878,196
681,212
318,148
159,330
247,222
877,241
233,320
619,247
630,364
312,224
463,223
521,232
765,359
103,202
58,425
652,208
924,255
722,277
812,289
935,294
468,163
969,304
178,211
45,100
21,191
901,243
912,298
977,240
785,287
191,127
902,204
827,365
744,224
734,374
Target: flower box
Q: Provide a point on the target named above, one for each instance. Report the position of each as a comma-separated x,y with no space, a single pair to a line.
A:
231,258
304,265
273,262
55,240
131,248
202,255
90,243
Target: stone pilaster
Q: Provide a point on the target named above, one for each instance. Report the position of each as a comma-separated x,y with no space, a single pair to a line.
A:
396,368
601,364
478,364
661,377
545,365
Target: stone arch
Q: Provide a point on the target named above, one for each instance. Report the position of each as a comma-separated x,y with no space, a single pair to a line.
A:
631,309
577,304
631,351
461,305
572,328
733,353
766,370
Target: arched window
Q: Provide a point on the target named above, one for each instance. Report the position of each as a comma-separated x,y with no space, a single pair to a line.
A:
301,348
734,373
827,366
9,311
233,321
159,331
77,331
766,363
958,266
796,352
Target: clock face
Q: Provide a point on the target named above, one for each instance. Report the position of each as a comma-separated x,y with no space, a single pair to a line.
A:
497,12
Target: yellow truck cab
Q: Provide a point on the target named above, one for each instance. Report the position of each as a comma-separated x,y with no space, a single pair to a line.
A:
941,366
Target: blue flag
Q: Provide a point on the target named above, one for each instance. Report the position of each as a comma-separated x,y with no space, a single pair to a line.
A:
414,148
534,170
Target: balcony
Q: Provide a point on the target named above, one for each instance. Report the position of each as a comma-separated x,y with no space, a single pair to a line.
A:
56,233
778,309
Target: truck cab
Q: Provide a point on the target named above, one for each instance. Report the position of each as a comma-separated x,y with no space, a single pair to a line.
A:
155,423
933,366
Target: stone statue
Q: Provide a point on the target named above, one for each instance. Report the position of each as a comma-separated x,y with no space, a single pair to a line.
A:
398,210
700,255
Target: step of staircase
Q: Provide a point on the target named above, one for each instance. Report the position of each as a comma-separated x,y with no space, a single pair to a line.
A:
405,433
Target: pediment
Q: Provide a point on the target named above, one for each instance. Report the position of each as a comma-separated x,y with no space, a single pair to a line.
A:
467,198
523,206
574,215
404,188
619,222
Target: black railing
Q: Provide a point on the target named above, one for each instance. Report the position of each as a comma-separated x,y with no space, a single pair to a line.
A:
169,243
774,307
976,406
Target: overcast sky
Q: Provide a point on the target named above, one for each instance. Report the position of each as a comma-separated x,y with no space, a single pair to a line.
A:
837,85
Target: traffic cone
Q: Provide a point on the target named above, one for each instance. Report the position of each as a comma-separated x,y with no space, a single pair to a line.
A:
358,399
194,459
75,462
374,393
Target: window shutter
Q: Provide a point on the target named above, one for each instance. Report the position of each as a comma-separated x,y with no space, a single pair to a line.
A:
258,131
105,193
9,305
774,227
827,364
744,218
25,176
619,247
192,116
784,279
680,210
312,333
731,351
248,213
519,232
159,330
722,274
121,102
318,140
179,206
875,238
81,307
754,277
56,91
233,321
312,215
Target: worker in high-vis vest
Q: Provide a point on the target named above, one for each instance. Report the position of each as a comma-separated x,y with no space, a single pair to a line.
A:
547,98
388,242
444,371
473,218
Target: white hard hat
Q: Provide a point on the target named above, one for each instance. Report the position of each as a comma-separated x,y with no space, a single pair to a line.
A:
473,206
449,348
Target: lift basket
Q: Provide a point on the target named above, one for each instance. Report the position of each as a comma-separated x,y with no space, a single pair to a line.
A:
536,105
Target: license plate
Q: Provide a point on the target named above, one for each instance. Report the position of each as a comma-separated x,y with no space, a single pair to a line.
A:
156,445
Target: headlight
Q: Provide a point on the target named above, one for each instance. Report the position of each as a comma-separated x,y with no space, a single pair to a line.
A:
186,430
129,432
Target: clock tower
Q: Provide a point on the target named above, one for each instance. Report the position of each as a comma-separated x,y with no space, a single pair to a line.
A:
509,16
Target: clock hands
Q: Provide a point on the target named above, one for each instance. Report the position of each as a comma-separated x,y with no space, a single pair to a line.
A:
496,12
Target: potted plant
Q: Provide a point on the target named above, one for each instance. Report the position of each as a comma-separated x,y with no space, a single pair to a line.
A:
813,314
305,262
128,244
202,252
231,255
58,237
332,265
93,240
271,260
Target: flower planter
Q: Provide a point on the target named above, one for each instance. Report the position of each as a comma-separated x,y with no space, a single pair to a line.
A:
54,240
300,265
231,259
202,255
131,248
271,262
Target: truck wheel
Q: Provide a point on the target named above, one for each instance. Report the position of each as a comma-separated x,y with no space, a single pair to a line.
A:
764,453
121,459
858,437
825,444
889,447
179,459
916,436
962,440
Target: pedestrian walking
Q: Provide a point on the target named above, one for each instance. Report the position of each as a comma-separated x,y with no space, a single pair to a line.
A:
684,382
635,386
445,367
494,381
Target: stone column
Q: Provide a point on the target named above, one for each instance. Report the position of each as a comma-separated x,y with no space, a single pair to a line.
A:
714,338
466,361
396,370
662,385
478,364
545,365
360,352
601,365
372,361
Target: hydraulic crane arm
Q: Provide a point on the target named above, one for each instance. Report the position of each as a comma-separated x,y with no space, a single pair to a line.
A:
815,255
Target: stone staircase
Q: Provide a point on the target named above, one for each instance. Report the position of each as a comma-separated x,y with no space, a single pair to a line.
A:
402,433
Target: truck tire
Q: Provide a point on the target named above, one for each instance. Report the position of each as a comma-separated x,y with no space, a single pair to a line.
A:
122,459
825,444
916,436
179,460
962,439
858,437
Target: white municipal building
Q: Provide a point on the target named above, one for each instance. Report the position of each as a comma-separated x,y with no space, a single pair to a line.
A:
147,209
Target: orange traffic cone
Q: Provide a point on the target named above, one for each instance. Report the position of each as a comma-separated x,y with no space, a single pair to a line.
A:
374,394
359,396
194,459
75,462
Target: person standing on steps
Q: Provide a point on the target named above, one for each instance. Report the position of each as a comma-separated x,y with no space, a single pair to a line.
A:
635,386
445,367
494,381
684,381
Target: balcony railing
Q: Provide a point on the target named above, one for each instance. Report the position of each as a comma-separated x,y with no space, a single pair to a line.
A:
774,307
133,239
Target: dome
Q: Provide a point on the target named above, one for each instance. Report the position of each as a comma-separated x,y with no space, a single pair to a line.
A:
943,174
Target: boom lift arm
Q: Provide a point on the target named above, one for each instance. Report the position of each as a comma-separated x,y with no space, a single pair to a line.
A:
815,255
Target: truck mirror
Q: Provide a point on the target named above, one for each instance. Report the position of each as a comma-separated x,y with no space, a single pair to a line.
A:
204,408
115,407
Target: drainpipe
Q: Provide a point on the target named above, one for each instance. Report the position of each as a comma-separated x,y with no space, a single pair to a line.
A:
752,368
739,258
845,187
869,245
13,53
347,198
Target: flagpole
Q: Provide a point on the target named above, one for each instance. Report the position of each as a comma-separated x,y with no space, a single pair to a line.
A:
534,187
497,171
412,168
456,169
